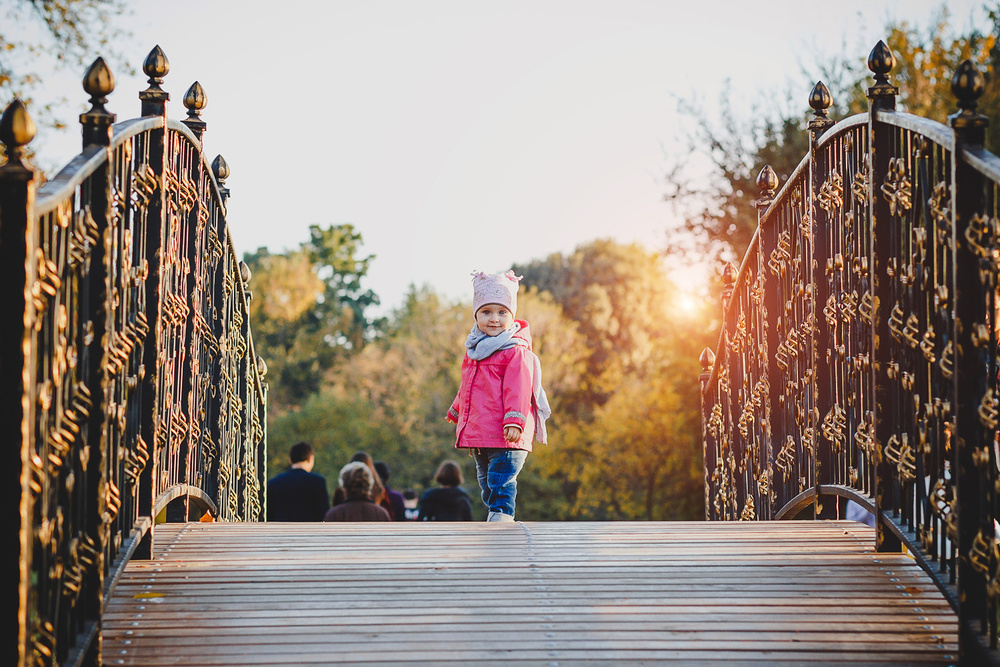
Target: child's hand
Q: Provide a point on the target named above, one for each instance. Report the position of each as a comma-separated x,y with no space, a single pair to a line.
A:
511,433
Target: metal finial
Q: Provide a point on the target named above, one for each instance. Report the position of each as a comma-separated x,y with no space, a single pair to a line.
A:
820,99
221,169
767,181
156,66
195,100
99,82
881,61
707,359
261,366
16,129
729,273
154,99
245,273
968,85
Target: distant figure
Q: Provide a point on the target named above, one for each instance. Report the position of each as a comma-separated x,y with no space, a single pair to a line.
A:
410,503
379,496
396,507
448,502
356,479
298,494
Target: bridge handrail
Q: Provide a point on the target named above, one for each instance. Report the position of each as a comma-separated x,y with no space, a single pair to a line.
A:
141,398
858,352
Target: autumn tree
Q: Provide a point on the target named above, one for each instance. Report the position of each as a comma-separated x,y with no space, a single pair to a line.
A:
619,365
389,399
309,310
717,208
616,294
628,443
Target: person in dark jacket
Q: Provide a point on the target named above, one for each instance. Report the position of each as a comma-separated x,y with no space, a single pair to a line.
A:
396,506
298,494
356,479
448,502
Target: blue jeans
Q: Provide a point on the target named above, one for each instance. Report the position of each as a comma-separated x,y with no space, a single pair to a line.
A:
497,472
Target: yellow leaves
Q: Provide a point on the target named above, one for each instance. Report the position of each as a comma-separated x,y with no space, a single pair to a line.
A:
292,286
927,61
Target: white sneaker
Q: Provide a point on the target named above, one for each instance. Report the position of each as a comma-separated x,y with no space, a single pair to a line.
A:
499,517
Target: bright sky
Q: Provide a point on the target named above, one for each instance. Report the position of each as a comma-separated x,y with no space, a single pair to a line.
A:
466,134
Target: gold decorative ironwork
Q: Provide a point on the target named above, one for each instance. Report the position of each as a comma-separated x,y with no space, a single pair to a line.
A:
785,459
778,263
988,411
899,452
927,344
940,209
834,426
893,294
831,193
983,548
896,322
859,187
864,435
897,189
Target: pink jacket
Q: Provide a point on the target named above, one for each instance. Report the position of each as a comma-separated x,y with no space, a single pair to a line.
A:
496,392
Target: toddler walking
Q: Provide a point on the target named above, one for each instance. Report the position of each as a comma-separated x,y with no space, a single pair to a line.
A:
501,406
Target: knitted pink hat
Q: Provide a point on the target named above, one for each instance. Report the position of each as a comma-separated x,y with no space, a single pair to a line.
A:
498,288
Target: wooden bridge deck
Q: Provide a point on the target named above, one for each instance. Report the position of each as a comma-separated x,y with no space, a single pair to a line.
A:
525,593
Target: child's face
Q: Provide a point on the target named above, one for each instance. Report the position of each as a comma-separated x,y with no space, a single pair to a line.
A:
493,319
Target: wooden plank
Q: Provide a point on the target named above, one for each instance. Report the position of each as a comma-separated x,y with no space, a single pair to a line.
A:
525,593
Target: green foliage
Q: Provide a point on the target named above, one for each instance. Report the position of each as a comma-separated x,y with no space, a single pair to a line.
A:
391,397
308,313
335,425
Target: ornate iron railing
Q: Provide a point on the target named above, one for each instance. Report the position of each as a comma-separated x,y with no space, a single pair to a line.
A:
129,376
858,357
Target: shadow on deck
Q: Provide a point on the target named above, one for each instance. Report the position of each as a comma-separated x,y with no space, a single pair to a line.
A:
525,593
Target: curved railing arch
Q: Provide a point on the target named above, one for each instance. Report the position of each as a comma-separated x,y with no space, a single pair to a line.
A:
858,353
140,397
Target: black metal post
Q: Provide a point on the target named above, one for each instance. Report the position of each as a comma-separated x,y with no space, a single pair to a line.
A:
154,102
882,97
707,360
975,414
154,99
98,82
767,241
823,471
17,196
